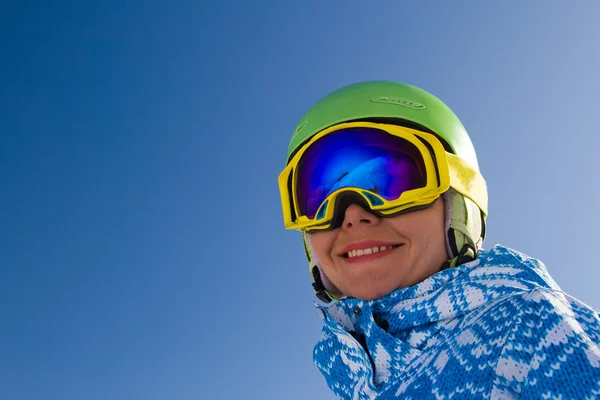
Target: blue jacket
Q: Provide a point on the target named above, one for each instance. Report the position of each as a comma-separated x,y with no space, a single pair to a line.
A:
496,328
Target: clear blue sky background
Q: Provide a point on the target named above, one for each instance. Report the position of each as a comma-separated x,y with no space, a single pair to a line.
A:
142,251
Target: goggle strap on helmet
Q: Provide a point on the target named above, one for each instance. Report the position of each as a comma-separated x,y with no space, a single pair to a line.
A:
467,181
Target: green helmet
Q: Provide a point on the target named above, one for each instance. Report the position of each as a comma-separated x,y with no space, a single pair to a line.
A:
409,106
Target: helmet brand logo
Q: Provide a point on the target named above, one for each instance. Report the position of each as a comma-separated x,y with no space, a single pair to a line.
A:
398,102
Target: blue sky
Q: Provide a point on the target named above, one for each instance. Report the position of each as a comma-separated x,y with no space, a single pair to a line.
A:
143,252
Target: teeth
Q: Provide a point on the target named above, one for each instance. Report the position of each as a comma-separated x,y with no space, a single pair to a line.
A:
360,252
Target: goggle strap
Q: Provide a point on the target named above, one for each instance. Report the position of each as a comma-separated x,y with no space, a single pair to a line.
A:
467,181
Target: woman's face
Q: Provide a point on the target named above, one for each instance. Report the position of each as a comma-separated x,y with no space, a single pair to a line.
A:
369,257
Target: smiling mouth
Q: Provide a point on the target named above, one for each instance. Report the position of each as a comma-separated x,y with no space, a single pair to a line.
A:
368,251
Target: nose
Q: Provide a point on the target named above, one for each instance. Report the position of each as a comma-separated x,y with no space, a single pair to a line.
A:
356,216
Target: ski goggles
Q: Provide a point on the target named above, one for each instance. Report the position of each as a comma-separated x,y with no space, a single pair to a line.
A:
387,168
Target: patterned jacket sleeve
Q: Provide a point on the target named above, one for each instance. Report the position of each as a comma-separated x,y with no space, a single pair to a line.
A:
552,350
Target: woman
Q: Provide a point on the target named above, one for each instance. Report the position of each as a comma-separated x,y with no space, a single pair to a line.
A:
383,182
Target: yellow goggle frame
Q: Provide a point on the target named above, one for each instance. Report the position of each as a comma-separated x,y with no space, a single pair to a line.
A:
452,172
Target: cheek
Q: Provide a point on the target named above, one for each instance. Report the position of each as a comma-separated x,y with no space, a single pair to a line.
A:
433,232
425,229
435,235
321,244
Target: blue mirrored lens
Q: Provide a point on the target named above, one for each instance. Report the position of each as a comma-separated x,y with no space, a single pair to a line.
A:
363,158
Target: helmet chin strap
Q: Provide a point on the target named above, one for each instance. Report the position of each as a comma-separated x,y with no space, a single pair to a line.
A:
324,289
465,228
464,222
